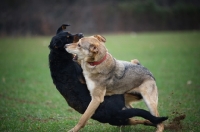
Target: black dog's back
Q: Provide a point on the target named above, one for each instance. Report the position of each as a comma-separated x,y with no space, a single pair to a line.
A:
66,76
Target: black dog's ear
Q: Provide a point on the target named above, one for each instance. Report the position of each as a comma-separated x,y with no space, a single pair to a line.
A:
77,37
61,28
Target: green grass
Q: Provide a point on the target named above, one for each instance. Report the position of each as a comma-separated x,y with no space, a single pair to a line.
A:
30,102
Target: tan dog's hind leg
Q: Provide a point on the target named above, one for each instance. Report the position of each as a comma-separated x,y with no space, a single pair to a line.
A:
97,98
149,92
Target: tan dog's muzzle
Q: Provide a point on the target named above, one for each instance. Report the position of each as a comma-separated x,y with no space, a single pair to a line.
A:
66,45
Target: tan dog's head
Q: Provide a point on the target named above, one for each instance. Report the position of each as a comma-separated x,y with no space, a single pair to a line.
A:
88,48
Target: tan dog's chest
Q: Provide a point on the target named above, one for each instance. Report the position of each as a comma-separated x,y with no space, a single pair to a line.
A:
90,82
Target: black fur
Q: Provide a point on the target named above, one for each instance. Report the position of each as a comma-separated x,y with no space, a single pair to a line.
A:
66,73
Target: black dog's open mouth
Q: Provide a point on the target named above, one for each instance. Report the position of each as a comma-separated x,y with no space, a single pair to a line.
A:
75,57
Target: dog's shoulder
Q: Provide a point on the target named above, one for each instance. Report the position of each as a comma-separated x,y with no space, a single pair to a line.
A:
119,69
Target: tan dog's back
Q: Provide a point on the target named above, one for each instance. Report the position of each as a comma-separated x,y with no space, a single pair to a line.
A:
123,77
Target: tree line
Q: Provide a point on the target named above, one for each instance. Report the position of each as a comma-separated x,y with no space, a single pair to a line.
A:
31,17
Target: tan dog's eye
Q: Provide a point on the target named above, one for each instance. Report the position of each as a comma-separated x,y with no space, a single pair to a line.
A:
79,45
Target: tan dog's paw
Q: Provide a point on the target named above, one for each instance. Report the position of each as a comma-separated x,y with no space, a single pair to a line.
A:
160,128
72,130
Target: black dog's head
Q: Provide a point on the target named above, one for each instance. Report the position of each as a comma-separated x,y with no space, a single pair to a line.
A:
58,54
63,37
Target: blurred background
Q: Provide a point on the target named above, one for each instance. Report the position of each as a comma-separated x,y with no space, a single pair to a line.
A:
164,35
42,17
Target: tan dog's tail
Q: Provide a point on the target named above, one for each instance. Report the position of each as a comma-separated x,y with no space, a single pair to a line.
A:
135,62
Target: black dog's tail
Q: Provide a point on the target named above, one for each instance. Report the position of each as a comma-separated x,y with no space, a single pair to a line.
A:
129,113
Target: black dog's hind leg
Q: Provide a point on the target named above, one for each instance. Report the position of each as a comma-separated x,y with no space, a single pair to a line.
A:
129,113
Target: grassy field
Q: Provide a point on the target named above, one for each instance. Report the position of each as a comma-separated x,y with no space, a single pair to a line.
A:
30,102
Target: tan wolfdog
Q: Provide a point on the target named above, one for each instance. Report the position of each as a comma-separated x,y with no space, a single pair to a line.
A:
105,75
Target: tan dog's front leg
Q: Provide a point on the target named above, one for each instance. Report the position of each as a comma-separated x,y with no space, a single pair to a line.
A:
97,98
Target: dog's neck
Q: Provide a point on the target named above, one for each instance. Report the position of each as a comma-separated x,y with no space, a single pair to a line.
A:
98,62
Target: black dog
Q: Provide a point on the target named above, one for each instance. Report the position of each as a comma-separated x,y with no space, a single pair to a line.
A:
67,77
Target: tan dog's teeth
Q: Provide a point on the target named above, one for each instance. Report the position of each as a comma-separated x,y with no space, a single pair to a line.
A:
75,57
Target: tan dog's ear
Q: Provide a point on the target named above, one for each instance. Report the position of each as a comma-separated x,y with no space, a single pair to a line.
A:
93,48
100,38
